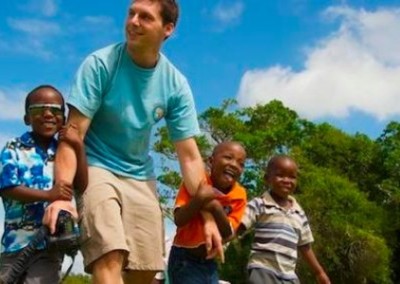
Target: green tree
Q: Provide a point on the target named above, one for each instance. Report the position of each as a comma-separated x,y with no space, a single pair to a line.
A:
340,180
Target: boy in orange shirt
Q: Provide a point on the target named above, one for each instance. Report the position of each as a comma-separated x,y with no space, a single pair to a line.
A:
225,199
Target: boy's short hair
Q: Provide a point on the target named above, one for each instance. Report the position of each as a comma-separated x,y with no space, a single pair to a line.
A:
272,162
219,145
31,93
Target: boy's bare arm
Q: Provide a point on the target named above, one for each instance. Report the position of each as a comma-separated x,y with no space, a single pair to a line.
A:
217,211
184,214
60,191
309,256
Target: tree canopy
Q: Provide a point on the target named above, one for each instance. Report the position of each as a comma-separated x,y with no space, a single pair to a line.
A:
349,186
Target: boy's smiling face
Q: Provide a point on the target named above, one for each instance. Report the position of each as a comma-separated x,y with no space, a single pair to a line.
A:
227,164
282,177
45,113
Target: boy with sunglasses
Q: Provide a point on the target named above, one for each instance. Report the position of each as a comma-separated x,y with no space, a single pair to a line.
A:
26,182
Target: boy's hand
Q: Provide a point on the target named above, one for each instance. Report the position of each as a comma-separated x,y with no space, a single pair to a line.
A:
205,192
322,278
60,191
69,133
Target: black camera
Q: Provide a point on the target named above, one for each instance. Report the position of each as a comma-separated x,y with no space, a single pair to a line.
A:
65,240
66,237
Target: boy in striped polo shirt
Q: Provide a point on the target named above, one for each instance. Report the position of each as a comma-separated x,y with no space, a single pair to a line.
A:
281,228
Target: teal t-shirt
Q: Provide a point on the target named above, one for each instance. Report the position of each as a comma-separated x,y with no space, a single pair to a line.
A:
124,101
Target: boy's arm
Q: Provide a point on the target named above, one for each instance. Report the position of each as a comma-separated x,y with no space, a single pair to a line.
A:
241,230
309,256
222,221
192,169
27,195
183,214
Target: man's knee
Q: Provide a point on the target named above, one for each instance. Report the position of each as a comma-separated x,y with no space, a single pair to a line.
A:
111,260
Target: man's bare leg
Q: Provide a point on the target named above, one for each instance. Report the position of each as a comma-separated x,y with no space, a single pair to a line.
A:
108,268
139,276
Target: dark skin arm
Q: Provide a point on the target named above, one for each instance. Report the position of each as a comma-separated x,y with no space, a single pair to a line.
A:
28,195
241,230
204,200
309,256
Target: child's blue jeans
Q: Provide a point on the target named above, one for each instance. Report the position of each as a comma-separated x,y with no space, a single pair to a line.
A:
184,268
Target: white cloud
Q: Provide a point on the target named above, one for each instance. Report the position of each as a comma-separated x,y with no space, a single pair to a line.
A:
90,24
12,104
228,14
355,68
47,8
34,27
45,39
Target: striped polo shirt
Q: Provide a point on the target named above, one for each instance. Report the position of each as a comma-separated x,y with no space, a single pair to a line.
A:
278,233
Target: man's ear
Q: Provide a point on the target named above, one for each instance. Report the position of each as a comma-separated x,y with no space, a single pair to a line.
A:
168,30
27,119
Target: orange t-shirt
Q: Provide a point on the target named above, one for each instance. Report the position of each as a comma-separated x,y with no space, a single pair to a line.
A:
192,234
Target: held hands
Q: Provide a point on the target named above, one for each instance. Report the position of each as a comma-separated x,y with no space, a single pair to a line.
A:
213,240
61,190
51,213
69,133
206,194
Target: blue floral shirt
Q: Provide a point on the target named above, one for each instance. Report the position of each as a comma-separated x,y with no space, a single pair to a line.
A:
22,162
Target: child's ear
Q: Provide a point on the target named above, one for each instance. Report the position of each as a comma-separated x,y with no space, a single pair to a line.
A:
266,178
27,120
210,161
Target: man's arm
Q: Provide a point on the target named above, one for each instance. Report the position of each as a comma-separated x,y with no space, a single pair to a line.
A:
192,169
70,135
309,256
191,164
66,157
65,168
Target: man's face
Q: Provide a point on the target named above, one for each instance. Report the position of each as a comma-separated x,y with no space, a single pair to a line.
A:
144,27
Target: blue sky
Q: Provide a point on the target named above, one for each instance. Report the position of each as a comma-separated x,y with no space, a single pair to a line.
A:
334,61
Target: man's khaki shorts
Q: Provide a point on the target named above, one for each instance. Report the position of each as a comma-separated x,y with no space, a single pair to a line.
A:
119,213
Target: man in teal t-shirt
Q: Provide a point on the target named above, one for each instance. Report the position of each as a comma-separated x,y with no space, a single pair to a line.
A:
120,92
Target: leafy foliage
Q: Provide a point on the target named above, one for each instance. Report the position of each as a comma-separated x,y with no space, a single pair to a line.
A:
349,187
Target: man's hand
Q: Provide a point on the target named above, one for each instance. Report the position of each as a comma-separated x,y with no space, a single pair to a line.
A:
61,190
51,213
213,238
